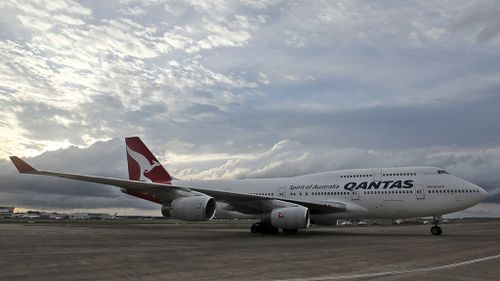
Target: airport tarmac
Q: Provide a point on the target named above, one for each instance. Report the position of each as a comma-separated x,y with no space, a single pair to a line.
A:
228,251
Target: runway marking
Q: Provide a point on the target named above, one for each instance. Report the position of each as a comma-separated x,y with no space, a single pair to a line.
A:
378,274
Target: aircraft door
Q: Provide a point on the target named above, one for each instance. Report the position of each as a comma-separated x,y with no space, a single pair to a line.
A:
355,194
377,174
458,196
420,191
282,192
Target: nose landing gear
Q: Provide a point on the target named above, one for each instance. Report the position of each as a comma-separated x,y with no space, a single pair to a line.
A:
436,229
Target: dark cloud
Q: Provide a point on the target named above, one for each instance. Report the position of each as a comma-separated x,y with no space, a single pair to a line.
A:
99,159
199,109
482,17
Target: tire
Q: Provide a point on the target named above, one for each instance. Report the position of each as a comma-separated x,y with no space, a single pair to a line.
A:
255,228
436,230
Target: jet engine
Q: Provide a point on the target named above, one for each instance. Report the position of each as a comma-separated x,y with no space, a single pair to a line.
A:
288,218
193,208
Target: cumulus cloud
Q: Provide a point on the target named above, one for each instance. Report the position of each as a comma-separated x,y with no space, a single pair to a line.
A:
289,158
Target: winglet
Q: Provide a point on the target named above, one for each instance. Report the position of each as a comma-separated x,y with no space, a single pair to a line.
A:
22,166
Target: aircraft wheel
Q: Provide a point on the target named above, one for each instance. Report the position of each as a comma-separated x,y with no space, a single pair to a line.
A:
436,230
255,228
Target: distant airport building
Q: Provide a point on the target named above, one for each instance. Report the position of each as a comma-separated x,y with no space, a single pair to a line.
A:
91,216
6,211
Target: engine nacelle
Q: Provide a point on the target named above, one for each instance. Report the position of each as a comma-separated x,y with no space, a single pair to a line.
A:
288,218
193,208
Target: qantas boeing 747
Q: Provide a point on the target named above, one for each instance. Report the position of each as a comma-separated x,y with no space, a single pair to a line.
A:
292,203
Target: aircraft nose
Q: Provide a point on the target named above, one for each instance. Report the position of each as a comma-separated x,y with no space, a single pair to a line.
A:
483,193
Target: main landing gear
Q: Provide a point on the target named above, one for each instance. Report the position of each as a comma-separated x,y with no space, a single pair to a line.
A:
436,229
268,229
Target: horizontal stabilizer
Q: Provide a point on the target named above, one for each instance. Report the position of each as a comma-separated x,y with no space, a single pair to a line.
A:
22,166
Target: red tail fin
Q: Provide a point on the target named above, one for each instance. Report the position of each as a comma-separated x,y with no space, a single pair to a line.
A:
142,164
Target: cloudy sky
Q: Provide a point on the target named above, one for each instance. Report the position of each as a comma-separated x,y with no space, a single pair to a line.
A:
234,89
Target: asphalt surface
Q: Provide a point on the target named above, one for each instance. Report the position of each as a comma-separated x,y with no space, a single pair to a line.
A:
228,251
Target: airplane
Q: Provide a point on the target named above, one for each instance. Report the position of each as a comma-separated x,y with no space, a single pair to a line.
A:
291,203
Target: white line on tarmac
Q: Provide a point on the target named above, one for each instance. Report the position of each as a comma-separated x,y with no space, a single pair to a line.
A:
377,274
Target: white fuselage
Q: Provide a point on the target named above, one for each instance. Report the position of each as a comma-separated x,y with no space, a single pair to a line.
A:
368,193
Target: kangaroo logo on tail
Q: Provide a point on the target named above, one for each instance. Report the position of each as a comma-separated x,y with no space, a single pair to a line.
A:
142,165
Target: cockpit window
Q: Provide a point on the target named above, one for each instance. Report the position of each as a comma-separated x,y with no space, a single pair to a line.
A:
442,172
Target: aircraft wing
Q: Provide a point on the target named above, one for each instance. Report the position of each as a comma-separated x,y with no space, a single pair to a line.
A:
249,203
246,203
